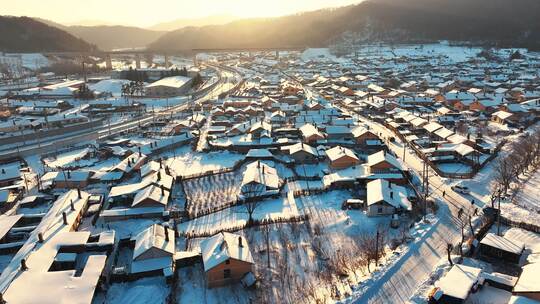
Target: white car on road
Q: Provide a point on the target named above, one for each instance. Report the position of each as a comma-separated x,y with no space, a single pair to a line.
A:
461,189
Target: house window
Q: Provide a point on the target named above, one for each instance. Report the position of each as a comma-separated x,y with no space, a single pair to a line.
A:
226,273
227,262
379,210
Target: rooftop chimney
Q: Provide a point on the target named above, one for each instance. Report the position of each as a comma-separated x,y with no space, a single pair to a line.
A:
162,190
40,237
159,175
69,174
392,194
3,171
166,233
64,217
240,242
23,265
79,193
72,205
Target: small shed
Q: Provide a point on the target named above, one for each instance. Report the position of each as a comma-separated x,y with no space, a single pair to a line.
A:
498,247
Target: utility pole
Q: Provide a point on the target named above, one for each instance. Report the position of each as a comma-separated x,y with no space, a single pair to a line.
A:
377,248
425,184
499,213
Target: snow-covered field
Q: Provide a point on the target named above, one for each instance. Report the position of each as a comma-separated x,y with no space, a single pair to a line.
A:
185,162
525,206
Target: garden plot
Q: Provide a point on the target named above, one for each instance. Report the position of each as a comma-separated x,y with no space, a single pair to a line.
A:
453,168
211,192
70,159
143,291
525,206
184,162
237,216
192,289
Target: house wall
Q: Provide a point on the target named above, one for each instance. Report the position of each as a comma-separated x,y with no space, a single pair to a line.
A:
71,184
343,162
303,157
497,253
381,167
149,203
366,136
152,253
387,209
214,276
530,295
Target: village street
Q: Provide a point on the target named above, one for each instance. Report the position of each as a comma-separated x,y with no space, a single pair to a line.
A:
398,284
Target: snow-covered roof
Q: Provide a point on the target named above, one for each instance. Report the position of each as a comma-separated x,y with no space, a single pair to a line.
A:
223,246
529,281
262,174
493,240
154,237
382,190
458,282
502,114
432,127
7,222
172,82
338,152
9,172
359,131
381,156
309,130
443,133
302,147
153,193
150,167
128,189
128,163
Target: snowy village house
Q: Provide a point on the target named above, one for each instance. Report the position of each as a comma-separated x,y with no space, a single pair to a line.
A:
341,157
528,284
259,179
154,251
493,246
302,153
311,134
72,179
383,163
456,285
385,198
365,137
226,259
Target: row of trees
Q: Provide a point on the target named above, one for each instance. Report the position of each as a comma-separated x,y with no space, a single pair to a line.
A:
136,75
133,88
524,156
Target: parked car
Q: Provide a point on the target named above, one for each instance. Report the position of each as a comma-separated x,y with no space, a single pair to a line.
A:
461,189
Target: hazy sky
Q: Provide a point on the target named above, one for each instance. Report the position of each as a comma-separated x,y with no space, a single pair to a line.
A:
146,13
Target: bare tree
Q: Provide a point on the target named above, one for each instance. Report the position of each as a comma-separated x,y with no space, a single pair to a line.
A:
503,171
250,194
449,248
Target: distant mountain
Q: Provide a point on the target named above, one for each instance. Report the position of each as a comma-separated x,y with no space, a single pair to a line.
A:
110,37
89,22
24,34
115,36
180,23
505,22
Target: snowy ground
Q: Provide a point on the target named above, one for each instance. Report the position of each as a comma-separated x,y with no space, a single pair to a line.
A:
526,204
192,289
238,216
186,162
143,291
